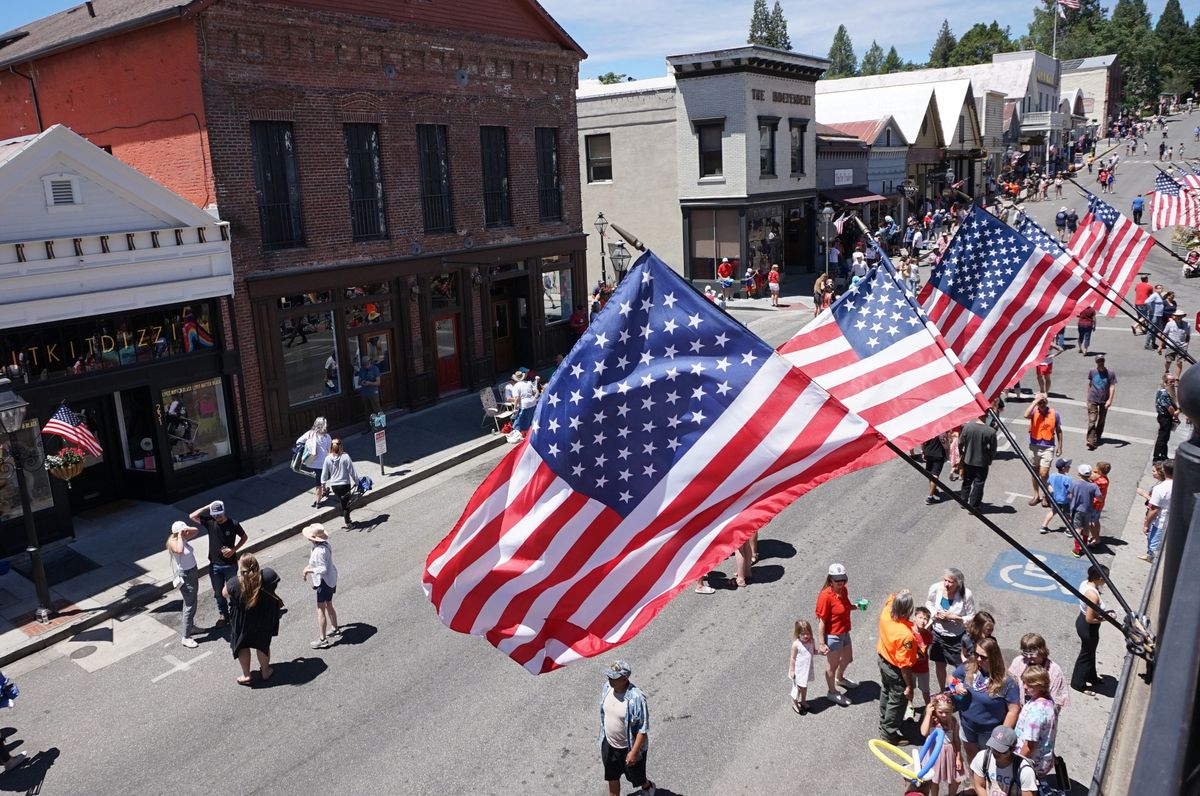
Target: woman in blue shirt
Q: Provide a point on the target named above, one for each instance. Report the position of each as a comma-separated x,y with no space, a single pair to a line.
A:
986,696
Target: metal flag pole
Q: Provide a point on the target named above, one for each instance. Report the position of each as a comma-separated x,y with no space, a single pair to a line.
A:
1054,43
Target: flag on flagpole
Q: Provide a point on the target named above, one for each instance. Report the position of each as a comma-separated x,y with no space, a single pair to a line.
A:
1174,205
998,299
71,427
1191,178
840,222
876,351
1069,3
1111,246
665,439
1062,12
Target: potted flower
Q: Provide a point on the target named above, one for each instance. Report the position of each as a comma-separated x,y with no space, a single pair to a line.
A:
66,464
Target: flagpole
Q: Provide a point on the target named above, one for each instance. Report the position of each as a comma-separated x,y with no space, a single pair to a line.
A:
1054,45
1157,242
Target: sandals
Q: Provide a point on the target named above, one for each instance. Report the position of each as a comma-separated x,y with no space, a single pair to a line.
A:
796,708
243,681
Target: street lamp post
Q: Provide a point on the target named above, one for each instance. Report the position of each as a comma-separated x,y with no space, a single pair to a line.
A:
620,260
12,417
601,225
827,217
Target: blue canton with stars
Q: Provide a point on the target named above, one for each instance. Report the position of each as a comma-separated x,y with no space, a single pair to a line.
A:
1165,185
876,312
655,369
1103,211
981,262
1039,236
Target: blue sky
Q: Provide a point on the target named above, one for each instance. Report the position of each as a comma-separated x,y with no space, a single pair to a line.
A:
634,36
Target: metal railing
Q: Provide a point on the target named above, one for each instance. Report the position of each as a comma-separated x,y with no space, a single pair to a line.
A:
281,227
367,221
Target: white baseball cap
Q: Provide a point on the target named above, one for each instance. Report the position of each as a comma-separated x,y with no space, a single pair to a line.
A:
837,571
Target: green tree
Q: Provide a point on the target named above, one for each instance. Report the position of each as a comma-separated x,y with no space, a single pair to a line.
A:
980,43
1128,34
892,62
1079,35
872,60
1178,49
608,78
778,27
843,62
760,24
943,45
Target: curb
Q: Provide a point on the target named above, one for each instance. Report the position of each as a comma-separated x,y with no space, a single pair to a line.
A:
146,593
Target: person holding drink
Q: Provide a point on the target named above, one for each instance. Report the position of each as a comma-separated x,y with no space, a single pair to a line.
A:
833,632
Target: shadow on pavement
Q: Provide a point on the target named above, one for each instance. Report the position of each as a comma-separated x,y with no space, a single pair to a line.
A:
356,633
1005,509
775,548
867,691
29,778
368,525
299,671
766,573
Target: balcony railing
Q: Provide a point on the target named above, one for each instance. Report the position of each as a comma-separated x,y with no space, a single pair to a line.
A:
367,220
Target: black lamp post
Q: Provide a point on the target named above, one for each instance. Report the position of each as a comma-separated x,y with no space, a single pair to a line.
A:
601,225
12,417
620,260
827,217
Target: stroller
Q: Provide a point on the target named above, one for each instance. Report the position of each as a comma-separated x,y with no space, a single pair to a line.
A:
364,485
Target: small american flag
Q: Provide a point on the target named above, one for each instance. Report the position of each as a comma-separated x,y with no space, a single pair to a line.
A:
876,351
1069,3
71,427
1111,246
997,300
1174,205
668,436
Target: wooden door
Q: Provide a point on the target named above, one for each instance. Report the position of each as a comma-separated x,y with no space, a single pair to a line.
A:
449,348
502,335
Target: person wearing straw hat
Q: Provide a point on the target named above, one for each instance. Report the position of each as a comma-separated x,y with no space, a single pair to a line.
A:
1179,333
186,576
324,582
526,396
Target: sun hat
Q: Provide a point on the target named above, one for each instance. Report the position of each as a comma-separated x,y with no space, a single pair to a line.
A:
518,376
315,533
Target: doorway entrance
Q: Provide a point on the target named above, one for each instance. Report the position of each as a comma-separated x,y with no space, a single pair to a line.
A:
99,482
503,354
376,347
449,346
139,420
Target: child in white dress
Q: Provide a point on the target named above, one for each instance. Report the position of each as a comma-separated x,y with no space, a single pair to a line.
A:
800,665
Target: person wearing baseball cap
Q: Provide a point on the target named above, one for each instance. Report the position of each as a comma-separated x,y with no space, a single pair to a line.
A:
1102,389
833,633
185,575
1082,498
225,537
996,770
624,731
1045,443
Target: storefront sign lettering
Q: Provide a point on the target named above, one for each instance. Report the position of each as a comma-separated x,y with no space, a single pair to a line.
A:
92,346
783,97
843,176
1045,77
191,387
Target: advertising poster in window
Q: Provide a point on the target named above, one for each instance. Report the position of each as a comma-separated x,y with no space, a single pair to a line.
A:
196,423
38,481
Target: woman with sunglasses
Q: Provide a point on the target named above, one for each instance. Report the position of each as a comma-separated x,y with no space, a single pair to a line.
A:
833,632
950,603
1034,652
986,696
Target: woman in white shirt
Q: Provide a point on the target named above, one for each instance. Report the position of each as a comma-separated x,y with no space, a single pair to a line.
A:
527,396
186,575
338,476
1087,625
950,603
319,434
324,582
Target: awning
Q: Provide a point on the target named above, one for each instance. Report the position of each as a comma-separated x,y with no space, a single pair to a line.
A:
851,196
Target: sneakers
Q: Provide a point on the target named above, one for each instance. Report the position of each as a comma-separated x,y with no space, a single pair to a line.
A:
335,632
847,683
1147,558
838,699
704,588
189,642
321,644
1077,553
1043,530
930,500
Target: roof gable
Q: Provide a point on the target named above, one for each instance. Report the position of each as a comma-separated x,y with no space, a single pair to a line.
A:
912,107
873,132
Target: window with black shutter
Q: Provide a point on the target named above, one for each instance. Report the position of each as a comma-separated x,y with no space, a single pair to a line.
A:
365,176
493,147
433,161
277,183
549,188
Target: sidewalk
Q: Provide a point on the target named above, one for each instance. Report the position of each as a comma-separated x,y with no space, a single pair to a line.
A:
118,562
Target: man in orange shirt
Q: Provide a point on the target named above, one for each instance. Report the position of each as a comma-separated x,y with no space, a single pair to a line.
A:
897,650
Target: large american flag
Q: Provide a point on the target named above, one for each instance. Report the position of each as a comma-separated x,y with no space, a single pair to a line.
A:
1174,204
876,351
1191,177
998,299
71,427
1110,245
668,435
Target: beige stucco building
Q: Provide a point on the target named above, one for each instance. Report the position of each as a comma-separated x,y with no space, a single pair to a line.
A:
1099,79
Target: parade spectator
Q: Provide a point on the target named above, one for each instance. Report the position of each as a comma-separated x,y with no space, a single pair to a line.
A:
1060,491
976,448
1154,314
1167,412
1087,626
1060,218
800,665
624,732
1169,308
1045,372
858,265
8,696
1072,221
897,655
369,378
1141,295
579,320
1085,324
773,284
1158,510
316,442
1045,443
1100,471
1037,723
1180,334
987,697
948,769
725,277
833,631
1138,207
1034,652
339,476
324,583
922,618
185,576
253,619
951,604
1102,389
225,537
996,771
1082,498
934,451
980,626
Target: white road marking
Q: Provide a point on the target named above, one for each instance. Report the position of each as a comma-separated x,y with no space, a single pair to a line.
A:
114,640
178,665
1010,421
1073,402
1012,497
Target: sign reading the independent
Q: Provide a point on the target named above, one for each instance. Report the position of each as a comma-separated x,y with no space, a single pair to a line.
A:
781,97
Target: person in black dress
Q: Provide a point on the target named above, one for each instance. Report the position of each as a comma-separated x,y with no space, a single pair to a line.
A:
253,618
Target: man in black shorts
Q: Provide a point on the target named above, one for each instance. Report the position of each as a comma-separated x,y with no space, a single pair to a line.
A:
624,731
934,451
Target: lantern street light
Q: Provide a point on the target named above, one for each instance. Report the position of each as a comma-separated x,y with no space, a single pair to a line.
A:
601,225
12,417
827,217
620,260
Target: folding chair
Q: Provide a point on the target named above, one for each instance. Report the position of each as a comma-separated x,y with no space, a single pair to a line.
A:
492,409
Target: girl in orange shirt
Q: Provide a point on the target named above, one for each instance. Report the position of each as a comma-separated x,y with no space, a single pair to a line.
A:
1100,479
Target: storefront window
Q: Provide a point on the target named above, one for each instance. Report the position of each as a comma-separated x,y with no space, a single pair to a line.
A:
376,289
196,423
310,357
370,313
304,299
556,295
715,235
37,481
765,236
105,342
369,348
445,291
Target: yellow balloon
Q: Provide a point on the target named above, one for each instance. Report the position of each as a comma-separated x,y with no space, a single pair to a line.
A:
888,754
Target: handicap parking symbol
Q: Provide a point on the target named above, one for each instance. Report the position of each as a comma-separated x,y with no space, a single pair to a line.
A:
1015,572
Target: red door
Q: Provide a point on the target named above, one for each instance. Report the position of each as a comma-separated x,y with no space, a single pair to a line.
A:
449,373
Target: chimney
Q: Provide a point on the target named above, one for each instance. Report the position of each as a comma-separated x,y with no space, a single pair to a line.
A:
91,9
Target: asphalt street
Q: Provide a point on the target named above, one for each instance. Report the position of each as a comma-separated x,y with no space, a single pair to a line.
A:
403,705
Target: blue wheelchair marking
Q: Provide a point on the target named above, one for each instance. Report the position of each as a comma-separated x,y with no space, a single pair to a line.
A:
1015,572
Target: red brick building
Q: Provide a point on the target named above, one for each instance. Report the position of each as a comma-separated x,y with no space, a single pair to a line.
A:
399,177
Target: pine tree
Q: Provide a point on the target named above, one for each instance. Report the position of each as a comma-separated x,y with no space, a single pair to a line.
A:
843,62
760,24
1128,34
872,60
1175,38
939,55
779,31
892,62
980,43
1080,35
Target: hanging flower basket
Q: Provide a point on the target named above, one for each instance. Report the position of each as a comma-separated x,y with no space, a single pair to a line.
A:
66,464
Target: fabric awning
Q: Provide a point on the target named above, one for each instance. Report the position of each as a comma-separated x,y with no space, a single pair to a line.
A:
851,196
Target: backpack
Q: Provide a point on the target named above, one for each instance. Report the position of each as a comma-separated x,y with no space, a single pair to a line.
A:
1014,787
